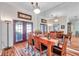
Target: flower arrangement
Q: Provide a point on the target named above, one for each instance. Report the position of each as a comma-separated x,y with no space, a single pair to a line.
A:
48,36
38,32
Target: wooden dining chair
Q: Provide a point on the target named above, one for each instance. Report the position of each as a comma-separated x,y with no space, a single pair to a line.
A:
61,48
34,42
43,49
69,36
53,35
39,46
30,36
60,34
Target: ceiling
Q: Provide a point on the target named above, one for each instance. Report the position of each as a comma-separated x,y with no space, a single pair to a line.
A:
43,5
48,9
65,9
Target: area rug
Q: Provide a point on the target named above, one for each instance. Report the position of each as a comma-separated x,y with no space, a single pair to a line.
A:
29,51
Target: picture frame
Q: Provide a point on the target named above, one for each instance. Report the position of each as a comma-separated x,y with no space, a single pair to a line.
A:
24,16
43,21
62,26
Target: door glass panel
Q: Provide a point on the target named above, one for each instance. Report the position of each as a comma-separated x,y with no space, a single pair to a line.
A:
56,27
43,28
28,29
19,31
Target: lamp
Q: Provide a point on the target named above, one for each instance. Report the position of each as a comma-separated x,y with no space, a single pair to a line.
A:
7,20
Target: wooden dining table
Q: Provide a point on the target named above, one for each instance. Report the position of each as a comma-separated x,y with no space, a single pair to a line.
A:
45,41
48,42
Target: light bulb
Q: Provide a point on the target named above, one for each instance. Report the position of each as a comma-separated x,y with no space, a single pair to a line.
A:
36,11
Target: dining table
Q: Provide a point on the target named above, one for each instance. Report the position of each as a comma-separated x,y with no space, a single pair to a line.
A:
48,42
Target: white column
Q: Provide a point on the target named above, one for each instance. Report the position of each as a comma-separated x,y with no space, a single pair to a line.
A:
0,34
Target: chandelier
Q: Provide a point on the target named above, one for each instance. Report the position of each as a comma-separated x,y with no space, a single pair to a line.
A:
36,9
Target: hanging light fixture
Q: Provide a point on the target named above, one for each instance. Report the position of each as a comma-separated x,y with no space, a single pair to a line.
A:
36,8
37,11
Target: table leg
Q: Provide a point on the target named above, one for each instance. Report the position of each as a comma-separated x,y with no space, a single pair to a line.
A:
49,50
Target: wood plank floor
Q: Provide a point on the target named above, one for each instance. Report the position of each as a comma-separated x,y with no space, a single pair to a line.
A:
75,43
13,51
70,52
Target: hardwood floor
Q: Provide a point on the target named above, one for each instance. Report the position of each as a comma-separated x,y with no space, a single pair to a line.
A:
13,51
20,45
9,52
75,43
71,50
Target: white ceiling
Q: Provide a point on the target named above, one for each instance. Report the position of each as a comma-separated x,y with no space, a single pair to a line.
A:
43,5
66,9
52,8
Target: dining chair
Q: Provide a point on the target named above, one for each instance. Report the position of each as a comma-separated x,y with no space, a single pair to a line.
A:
33,42
39,46
60,50
36,45
43,49
69,36
60,34
53,35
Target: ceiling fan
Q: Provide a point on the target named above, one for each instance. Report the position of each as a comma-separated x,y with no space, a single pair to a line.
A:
35,7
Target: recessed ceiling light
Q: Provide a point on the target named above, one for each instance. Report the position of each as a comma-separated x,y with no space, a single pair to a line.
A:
49,24
56,20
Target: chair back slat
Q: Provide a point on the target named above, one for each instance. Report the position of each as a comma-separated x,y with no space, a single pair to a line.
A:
64,46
